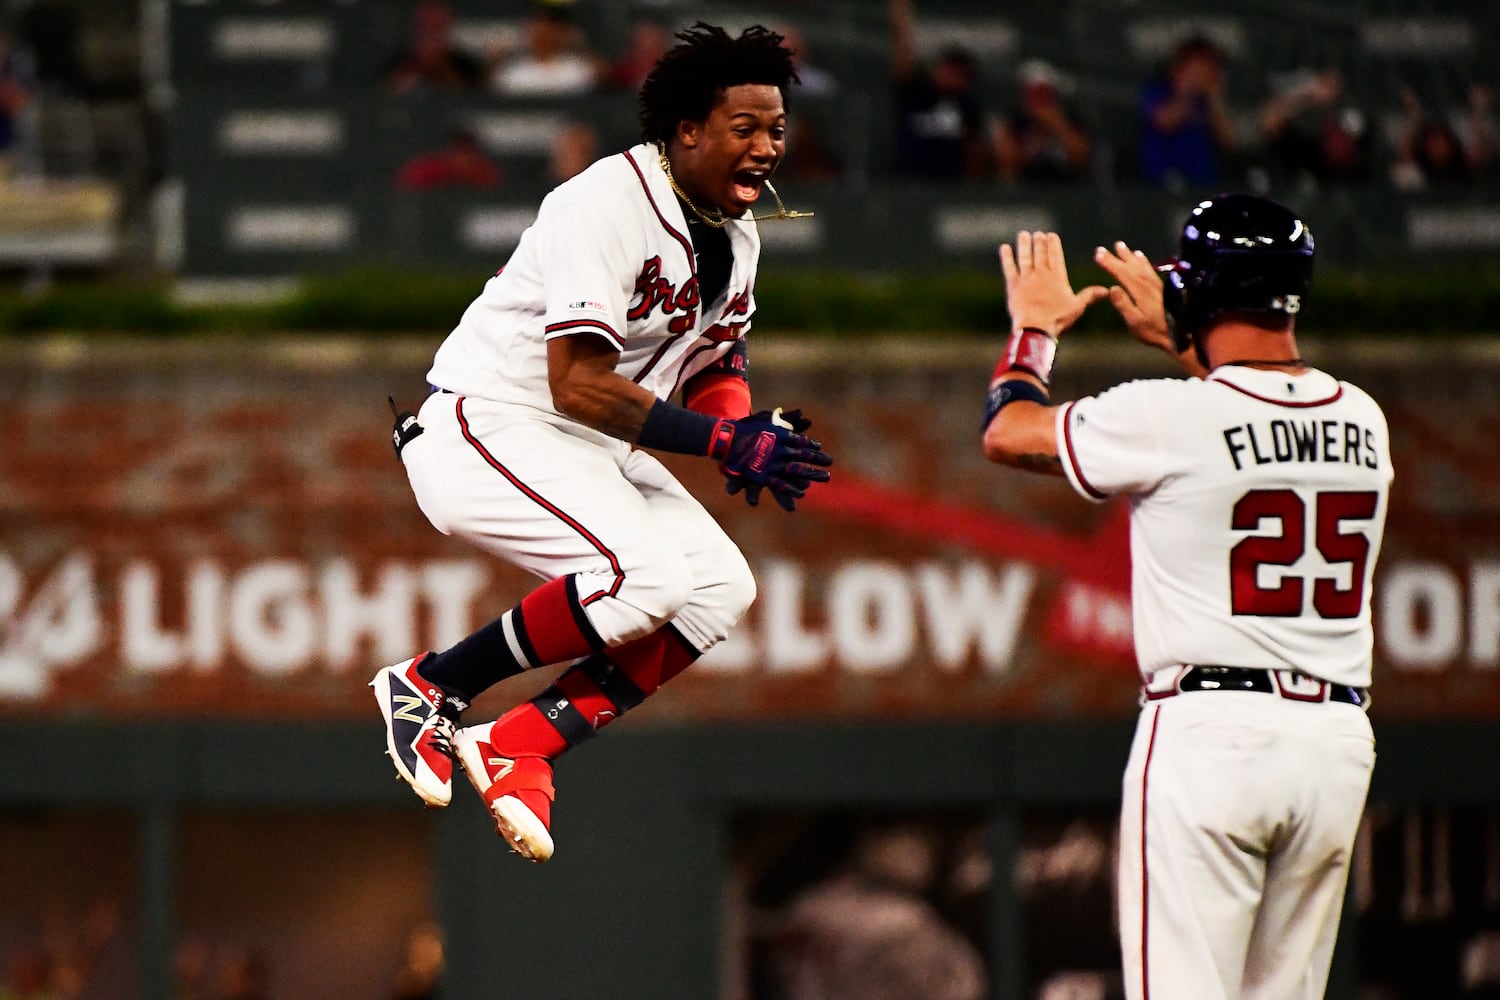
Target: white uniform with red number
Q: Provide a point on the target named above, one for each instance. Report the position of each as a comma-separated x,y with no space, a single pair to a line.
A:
608,256
1258,503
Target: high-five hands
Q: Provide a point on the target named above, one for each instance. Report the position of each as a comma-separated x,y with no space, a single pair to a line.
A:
1037,290
1137,297
1040,297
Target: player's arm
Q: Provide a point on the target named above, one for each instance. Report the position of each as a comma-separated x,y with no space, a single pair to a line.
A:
586,388
1138,300
1019,418
722,389
761,450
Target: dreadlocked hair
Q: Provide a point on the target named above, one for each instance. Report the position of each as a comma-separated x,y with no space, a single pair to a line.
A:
687,81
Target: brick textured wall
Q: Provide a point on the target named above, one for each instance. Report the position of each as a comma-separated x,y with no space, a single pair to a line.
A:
222,529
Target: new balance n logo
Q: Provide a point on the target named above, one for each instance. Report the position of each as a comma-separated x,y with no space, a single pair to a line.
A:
409,708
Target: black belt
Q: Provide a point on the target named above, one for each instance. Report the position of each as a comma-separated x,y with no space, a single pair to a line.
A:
1206,678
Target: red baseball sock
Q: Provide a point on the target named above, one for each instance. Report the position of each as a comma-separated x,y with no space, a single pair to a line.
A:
591,694
551,626
587,697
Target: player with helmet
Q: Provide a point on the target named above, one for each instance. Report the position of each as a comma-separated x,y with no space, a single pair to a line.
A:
1258,494
634,286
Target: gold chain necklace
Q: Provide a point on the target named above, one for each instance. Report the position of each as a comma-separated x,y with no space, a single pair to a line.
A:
718,218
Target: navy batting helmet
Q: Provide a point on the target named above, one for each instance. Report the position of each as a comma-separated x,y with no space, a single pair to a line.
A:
1239,253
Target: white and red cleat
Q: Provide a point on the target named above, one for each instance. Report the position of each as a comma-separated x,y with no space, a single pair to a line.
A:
517,790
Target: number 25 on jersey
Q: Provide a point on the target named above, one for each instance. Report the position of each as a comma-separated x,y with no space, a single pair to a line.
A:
1333,537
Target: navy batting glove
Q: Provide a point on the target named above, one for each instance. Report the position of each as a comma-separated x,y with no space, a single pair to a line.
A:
768,451
795,421
736,484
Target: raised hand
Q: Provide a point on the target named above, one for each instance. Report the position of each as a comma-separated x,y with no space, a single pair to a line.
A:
1137,297
1037,290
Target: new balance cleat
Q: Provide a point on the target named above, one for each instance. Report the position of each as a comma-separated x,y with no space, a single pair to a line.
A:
418,733
517,790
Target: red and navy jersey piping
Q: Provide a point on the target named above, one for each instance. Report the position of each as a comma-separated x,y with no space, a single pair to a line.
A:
1071,455
1338,393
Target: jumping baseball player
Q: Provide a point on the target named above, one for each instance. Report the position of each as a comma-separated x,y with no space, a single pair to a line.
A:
634,285
1258,493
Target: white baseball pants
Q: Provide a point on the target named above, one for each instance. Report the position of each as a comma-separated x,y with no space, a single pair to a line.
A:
555,498
1239,815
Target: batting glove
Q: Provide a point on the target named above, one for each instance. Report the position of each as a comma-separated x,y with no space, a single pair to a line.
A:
770,451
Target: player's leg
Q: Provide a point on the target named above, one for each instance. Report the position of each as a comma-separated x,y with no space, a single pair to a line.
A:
1189,873
603,686
551,502
555,501
1292,944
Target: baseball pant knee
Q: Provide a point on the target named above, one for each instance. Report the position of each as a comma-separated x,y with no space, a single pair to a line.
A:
722,593
641,599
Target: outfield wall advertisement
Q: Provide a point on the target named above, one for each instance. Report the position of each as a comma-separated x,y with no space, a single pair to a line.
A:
224,531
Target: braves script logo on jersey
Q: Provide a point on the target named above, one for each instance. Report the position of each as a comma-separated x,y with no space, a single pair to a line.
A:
725,332
656,290
737,306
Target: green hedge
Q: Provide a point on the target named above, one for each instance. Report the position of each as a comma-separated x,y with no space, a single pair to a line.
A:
1465,300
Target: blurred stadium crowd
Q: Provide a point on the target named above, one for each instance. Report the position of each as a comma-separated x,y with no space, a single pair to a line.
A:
97,99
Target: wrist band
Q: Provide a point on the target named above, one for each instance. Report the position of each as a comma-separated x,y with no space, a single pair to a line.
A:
1031,350
1005,391
676,429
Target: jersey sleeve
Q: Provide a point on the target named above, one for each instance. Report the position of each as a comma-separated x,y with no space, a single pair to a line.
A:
588,262
1110,443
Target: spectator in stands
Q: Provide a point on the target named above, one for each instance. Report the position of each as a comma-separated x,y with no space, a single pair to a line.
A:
939,117
431,60
15,94
870,929
1432,154
649,41
462,163
574,147
812,80
555,61
1185,127
1041,140
1312,137
810,157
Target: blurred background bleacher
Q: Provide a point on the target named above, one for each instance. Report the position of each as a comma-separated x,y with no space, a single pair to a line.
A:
243,137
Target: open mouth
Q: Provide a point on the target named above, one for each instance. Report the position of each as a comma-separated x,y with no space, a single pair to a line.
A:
747,184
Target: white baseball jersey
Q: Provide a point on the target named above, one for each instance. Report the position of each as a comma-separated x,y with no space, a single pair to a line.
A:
1258,502
609,255
1258,505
